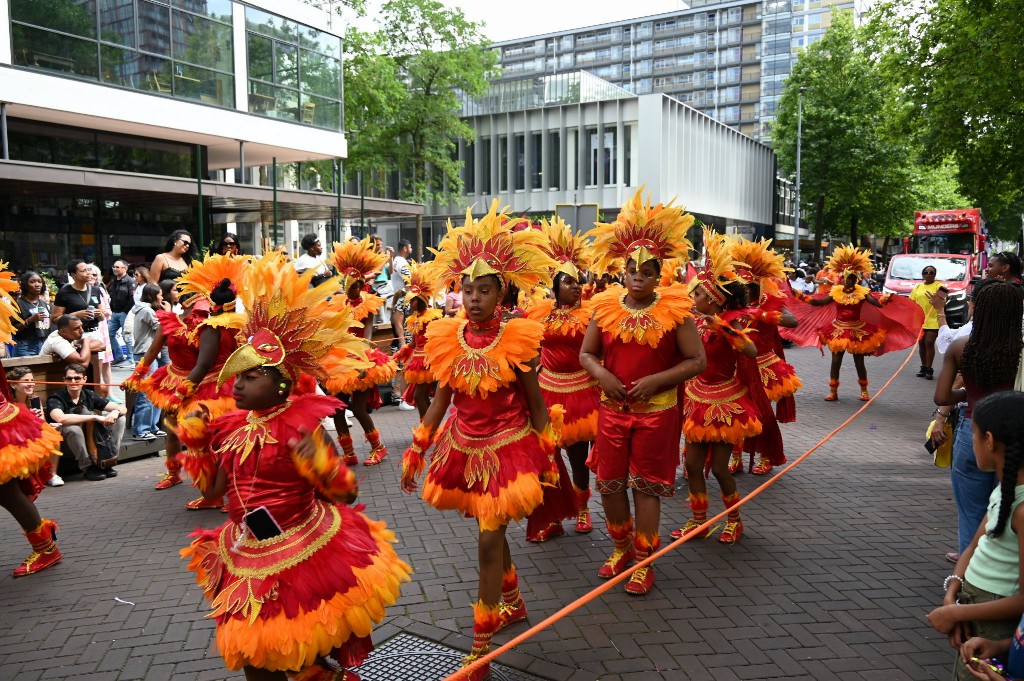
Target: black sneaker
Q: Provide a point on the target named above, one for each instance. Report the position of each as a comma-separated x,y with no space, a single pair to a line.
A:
923,372
931,374
94,473
110,472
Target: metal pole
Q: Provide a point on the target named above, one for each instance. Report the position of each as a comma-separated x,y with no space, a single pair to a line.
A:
4,149
362,204
799,134
337,189
199,177
274,174
241,163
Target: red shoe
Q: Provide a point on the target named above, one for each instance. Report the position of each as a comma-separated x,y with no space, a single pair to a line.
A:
168,480
549,532
511,613
616,563
762,467
640,582
583,522
202,502
732,532
736,463
44,550
351,460
691,525
376,456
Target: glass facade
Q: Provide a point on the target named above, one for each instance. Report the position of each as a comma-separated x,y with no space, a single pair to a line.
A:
294,71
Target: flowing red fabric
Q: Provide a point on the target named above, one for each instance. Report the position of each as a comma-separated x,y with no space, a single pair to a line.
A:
901,318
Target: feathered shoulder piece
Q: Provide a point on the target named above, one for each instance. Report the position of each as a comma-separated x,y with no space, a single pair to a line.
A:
571,251
646,326
564,321
357,260
416,322
719,267
847,259
422,283
9,310
300,330
481,371
763,263
493,245
839,294
642,232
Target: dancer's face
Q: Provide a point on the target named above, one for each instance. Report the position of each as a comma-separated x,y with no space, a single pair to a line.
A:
480,297
569,291
641,281
259,389
702,302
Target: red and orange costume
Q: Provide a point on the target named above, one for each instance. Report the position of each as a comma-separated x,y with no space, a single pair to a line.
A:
315,590
418,284
26,445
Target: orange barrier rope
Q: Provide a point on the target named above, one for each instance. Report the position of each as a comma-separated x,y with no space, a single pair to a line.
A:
586,598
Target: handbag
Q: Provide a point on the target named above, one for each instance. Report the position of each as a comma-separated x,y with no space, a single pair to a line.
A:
99,443
942,456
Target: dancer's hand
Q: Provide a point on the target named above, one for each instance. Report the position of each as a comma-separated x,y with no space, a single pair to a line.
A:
944,618
612,386
939,432
409,484
646,388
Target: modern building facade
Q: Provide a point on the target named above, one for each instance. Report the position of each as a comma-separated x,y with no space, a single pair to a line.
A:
122,120
726,58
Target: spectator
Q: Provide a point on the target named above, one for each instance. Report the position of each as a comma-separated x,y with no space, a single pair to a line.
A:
69,343
146,420
141,276
23,391
83,413
122,299
382,284
79,298
399,271
1004,266
922,295
175,259
311,259
228,245
35,313
452,300
105,358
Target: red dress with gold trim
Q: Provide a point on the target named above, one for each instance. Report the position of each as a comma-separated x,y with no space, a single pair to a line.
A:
161,386
384,367
488,462
718,407
317,588
563,380
414,354
26,444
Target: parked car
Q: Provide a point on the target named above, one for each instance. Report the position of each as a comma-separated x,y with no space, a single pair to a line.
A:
953,270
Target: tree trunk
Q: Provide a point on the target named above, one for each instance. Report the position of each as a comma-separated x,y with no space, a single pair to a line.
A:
419,237
819,226
854,219
885,250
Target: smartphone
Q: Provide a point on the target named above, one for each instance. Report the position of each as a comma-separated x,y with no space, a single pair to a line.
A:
35,403
943,289
261,524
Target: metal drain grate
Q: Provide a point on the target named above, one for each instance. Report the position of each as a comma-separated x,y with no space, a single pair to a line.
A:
411,658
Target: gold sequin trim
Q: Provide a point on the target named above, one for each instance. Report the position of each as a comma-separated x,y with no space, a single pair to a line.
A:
8,412
727,391
556,382
660,402
291,538
481,462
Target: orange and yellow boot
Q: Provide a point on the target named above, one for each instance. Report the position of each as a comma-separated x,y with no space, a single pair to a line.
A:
642,579
45,553
624,553
513,607
733,525
699,509
736,459
583,523
863,383
377,449
762,466
173,475
486,621
348,451
833,391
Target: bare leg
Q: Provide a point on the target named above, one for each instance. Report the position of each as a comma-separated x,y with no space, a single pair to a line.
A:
19,505
421,397
340,423
928,354
837,364
648,513
616,507
493,555
358,408
696,454
862,371
578,462
720,452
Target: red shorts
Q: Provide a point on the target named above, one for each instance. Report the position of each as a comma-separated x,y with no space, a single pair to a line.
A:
640,451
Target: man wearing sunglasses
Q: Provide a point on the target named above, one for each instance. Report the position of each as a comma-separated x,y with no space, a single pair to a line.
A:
82,413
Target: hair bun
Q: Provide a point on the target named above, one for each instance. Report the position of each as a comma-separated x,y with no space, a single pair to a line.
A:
224,293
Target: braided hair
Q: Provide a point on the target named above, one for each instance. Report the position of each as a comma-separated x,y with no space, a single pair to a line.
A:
999,414
992,353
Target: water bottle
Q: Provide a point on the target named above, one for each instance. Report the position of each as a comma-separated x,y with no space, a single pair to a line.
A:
92,314
43,323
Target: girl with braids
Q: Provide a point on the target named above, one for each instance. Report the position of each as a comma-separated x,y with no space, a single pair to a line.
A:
988,361
984,594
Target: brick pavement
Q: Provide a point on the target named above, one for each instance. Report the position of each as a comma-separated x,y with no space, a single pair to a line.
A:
838,565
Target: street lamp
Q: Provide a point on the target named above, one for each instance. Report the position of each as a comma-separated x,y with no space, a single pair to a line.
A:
799,135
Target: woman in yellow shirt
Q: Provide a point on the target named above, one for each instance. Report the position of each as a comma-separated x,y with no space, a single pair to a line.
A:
921,295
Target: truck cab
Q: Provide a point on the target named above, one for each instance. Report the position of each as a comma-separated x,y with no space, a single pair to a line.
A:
954,270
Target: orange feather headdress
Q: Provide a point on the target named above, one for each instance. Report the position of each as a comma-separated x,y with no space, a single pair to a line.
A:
762,265
570,251
848,259
421,283
203,276
642,232
719,267
492,245
293,327
357,261
9,310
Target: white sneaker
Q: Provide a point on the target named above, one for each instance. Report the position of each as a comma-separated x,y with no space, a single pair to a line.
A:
55,481
405,406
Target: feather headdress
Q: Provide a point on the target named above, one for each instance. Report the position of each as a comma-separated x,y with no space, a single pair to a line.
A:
847,259
492,245
422,283
642,232
719,267
570,251
762,263
9,310
357,261
203,276
294,327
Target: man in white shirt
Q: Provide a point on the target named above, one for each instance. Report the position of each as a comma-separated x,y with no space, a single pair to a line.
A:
311,260
400,270
67,342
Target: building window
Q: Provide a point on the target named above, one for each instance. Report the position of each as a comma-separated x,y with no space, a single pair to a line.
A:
627,151
520,142
469,169
503,164
536,161
554,160
485,165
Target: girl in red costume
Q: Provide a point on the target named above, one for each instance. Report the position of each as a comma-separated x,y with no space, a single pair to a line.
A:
358,263
496,451
420,293
640,345
563,380
296,578
719,409
26,445
767,312
852,327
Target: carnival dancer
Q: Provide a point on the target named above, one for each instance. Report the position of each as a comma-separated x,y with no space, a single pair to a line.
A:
640,345
26,445
853,327
563,380
296,578
496,451
420,292
719,409
762,268
358,263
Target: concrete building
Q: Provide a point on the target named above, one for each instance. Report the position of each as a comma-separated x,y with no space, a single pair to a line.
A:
726,58
123,120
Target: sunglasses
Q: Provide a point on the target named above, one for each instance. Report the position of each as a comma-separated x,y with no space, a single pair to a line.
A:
74,379
230,243
186,243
